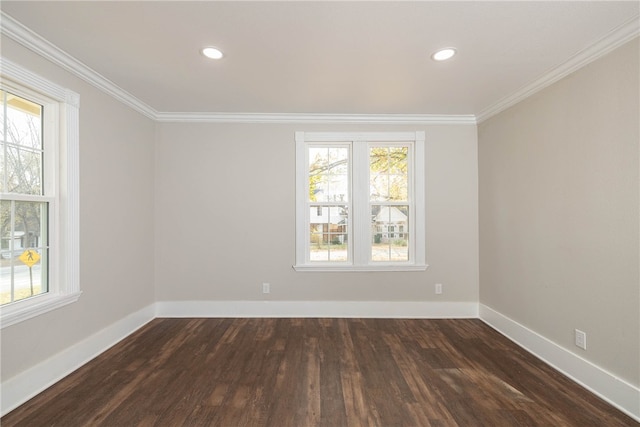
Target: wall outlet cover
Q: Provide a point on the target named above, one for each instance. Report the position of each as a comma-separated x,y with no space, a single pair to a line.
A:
581,339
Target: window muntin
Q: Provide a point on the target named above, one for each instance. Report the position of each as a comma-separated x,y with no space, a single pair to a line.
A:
360,201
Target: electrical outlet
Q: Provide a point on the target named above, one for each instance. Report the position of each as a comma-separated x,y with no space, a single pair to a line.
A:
581,339
266,288
438,288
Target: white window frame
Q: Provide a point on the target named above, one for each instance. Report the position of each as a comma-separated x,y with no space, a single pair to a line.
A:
61,133
359,225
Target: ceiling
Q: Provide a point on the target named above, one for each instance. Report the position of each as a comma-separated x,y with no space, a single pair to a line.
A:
325,57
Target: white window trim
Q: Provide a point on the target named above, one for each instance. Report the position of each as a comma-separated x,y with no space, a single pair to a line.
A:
64,280
417,177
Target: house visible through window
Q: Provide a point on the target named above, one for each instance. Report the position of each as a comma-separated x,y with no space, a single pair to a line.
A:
360,201
38,195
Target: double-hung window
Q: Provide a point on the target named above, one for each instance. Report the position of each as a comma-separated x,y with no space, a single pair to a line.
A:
360,201
38,195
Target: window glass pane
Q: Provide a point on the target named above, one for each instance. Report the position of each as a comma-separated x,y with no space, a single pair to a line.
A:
28,220
21,150
25,282
5,227
2,108
24,122
328,237
388,173
2,169
24,171
390,233
24,252
328,174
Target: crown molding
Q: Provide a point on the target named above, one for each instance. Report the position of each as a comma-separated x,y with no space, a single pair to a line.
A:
614,39
415,119
36,43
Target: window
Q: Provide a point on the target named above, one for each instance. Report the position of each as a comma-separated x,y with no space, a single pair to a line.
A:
38,195
360,201
25,205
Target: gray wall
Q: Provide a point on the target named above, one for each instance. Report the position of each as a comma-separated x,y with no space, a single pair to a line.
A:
116,223
559,212
225,216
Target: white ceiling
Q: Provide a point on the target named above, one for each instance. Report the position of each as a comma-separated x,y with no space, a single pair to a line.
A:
323,57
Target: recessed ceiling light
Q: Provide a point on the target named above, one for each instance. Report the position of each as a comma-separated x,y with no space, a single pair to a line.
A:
212,52
444,54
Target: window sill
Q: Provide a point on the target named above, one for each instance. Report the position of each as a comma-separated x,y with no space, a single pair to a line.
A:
19,311
357,268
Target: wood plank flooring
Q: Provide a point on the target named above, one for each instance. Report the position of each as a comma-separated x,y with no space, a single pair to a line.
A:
315,372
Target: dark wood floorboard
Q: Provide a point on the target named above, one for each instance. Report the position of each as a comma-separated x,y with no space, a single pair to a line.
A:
316,372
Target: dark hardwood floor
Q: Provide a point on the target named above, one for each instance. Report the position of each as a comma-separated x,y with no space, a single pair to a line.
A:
315,372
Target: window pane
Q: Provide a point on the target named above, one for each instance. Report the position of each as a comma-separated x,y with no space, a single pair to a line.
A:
28,220
3,124
390,233
328,174
2,108
24,252
24,122
21,149
328,239
5,227
24,171
2,169
25,281
388,173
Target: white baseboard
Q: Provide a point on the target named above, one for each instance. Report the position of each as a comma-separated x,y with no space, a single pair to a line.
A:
362,309
24,386
617,392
